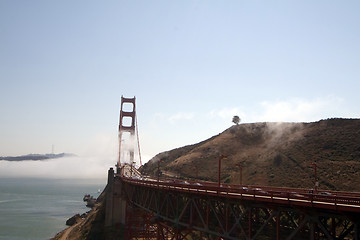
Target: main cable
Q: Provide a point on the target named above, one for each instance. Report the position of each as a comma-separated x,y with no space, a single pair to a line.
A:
137,136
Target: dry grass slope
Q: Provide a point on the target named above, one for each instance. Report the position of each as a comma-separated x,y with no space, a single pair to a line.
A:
273,154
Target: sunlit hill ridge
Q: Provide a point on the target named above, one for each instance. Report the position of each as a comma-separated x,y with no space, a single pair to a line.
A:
272,154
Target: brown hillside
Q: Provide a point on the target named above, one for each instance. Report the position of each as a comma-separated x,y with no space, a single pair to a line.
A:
273,154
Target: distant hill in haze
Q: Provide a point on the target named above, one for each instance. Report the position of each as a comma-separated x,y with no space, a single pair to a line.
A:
273,154
36,157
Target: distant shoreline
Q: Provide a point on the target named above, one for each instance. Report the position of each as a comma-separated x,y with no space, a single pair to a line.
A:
36,157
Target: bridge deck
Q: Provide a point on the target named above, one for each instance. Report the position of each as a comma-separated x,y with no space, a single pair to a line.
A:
208,210
334,200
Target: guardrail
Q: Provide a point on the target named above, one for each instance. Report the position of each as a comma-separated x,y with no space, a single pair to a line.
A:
333,200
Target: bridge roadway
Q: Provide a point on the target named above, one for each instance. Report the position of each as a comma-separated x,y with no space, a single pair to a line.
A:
205,210
336,200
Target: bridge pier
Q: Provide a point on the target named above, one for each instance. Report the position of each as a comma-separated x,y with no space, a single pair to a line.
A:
115,210
109,199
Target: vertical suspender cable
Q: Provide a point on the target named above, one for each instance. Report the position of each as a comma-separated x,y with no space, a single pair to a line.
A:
137,136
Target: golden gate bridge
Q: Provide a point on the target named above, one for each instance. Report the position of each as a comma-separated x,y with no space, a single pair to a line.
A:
168,208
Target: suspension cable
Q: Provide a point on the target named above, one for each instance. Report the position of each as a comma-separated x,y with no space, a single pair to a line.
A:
137,136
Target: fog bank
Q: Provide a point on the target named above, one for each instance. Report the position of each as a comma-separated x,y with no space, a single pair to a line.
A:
60,168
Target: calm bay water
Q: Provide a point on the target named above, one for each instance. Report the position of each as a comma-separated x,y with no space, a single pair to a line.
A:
35,209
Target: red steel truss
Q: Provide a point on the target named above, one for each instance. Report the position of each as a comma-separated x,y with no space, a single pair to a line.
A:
173,209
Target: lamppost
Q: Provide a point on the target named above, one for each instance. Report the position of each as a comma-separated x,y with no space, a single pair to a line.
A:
196,171
131,168
158,171
219,170
240,177
315,177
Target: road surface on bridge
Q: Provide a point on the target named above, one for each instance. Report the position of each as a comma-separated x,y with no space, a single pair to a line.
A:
334,200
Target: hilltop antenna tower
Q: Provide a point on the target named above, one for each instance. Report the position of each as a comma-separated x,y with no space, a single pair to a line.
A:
127,126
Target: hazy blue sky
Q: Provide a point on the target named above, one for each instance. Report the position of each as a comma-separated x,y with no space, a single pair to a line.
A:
192,65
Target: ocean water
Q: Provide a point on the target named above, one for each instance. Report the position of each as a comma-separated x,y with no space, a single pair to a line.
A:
35,209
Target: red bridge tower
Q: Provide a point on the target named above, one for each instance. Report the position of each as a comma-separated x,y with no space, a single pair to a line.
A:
127,125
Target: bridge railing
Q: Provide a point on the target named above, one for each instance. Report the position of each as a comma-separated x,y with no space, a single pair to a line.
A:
338,201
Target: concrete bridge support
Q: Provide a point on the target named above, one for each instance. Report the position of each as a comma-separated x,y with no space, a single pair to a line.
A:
115,212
